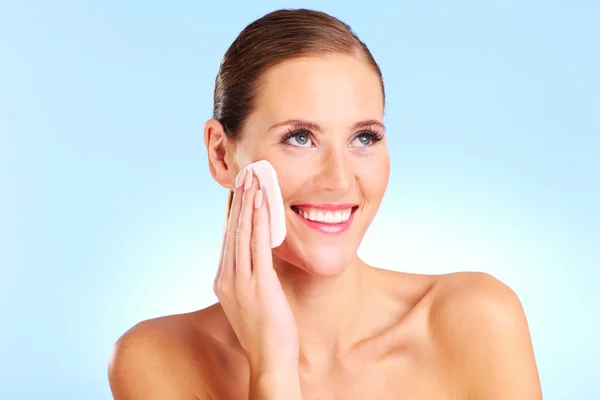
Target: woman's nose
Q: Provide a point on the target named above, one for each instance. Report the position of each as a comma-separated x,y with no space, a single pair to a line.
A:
335,172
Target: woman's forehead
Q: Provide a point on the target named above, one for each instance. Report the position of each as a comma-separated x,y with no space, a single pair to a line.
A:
321,89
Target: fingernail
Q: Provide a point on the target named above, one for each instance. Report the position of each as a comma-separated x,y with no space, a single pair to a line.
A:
248,180
239,180
258,199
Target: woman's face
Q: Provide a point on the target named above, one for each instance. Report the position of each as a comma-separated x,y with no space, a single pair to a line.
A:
318,121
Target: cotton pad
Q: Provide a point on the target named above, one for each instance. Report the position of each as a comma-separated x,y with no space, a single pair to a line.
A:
269,185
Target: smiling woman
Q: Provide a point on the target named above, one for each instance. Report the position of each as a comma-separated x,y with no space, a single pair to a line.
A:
310,319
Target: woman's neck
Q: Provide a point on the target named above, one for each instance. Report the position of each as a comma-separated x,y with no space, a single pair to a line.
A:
326,309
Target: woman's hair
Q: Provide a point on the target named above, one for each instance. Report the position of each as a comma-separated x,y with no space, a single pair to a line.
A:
279,36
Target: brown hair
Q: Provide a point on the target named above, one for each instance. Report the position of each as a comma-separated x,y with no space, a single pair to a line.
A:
276,37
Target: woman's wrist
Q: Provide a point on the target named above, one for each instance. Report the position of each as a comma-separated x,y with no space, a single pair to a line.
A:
275,384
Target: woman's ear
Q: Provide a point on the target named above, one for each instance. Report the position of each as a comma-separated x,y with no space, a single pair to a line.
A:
220,154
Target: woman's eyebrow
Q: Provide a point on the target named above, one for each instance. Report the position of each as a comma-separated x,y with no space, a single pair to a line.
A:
367,123
311,125
315,127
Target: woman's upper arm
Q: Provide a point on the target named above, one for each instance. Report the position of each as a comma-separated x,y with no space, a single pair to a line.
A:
487,331
143,366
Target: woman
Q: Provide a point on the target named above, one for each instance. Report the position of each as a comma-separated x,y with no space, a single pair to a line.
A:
309,319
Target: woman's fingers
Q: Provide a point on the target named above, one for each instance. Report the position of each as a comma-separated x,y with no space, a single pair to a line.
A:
262,258
243,260
226,271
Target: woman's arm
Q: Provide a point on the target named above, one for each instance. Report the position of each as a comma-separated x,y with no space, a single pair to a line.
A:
485,328
275,385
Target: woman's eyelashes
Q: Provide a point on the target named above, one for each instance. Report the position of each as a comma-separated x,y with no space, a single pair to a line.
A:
301,137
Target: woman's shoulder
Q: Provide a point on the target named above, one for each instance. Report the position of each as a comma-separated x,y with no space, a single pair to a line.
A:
477,325
476,290
455,293
171,347
470,299
480,321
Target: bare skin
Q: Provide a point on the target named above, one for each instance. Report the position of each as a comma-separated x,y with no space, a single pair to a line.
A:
363,332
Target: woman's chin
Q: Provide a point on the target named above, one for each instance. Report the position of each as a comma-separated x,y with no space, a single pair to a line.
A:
319,260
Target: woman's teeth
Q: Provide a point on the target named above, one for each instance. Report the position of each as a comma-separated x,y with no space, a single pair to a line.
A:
329,217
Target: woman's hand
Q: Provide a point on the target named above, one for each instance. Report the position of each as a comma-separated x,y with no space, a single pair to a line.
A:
249,290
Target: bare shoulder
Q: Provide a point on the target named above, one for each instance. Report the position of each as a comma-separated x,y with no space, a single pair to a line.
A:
471,301
474,291
158,358
481,324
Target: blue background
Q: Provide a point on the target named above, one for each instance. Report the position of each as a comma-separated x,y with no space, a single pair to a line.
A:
108,214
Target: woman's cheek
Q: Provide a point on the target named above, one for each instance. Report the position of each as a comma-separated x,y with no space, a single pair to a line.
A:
373,174
379,175
287,179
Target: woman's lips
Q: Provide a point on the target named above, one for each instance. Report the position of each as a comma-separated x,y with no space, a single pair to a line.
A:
332,219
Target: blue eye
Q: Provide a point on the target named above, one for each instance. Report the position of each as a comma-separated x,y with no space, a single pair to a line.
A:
302,138
367,138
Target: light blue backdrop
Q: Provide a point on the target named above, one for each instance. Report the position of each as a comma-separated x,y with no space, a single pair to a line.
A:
108,214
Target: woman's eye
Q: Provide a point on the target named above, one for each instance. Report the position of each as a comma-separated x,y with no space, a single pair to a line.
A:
364,139
301,138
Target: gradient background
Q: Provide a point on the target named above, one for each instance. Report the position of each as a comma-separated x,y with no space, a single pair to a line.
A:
108,214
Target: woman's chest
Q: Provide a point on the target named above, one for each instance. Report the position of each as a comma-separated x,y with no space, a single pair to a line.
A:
398,378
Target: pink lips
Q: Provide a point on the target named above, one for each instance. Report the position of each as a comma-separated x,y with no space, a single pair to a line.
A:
329,228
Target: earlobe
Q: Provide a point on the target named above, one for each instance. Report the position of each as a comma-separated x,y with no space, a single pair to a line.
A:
218,149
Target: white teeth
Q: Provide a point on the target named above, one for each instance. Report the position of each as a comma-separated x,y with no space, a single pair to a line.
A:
328,217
